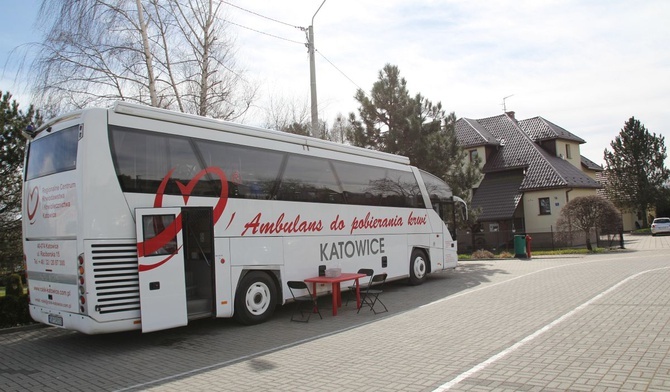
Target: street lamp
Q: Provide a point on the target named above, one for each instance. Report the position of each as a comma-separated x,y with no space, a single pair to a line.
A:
316,131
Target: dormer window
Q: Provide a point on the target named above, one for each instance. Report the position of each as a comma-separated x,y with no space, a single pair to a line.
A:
473,155
568,155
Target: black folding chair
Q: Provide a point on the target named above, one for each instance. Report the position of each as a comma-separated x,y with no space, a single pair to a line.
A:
304,303
352,289
371,295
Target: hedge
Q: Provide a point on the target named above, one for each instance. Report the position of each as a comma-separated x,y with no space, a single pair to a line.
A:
14,311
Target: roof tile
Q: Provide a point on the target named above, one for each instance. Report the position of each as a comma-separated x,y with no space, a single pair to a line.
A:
516,150
498,195
589,164
540,129
470,134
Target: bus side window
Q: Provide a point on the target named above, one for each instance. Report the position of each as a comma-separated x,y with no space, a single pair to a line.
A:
358,182
155,225
374,186
311,180
251,172
143,159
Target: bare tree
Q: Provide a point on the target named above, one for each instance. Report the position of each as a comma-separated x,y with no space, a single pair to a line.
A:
588,213
285,113
213,85
338,133
164,53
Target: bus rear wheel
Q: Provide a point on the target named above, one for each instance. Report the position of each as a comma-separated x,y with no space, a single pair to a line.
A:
418,267
256,298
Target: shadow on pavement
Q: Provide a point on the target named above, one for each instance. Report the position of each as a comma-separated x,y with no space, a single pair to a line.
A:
135,360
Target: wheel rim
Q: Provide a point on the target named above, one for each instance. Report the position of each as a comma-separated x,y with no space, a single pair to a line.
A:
419,267
258,298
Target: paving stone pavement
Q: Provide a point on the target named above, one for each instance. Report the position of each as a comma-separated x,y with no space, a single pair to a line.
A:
587,323
619,341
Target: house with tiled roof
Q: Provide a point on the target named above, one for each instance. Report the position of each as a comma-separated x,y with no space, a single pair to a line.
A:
531,169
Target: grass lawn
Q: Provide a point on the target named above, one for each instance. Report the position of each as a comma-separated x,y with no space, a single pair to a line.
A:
2,291
572,251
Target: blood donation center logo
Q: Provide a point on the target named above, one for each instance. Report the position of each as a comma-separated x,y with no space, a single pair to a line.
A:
32,204
166,235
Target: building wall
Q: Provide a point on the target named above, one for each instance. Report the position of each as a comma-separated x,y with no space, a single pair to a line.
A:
630,218
575,158
536,222
591,173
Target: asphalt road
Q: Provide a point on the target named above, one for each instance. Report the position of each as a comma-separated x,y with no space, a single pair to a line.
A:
597,322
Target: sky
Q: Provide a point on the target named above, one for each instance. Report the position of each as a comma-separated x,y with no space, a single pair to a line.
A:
587,66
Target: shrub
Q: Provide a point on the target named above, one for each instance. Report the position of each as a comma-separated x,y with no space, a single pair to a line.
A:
482,254
14,286
505,255
14,311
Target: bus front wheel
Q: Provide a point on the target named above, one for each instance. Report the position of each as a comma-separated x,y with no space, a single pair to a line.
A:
418,267
256,298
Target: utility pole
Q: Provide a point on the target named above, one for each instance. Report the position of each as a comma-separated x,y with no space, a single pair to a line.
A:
316,130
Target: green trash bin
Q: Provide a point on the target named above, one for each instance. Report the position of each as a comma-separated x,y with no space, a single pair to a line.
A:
520,246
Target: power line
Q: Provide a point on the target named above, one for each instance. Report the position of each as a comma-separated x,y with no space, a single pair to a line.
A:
286,39
262,16
339,70
264,33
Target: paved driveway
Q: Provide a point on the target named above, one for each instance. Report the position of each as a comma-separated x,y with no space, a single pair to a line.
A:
597,322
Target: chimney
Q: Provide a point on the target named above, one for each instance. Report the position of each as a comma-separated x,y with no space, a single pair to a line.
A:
510,114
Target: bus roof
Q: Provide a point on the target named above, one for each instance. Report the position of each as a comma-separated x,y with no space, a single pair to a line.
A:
220,125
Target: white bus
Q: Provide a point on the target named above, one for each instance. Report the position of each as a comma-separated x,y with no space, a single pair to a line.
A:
136,217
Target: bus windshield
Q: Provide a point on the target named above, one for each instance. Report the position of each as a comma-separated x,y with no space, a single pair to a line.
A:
438,190
52,154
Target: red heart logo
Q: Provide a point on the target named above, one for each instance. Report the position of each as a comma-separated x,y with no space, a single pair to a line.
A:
165,236
34,195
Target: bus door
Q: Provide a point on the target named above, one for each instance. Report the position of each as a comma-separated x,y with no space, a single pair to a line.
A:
161,268
198,229
445,240
447,210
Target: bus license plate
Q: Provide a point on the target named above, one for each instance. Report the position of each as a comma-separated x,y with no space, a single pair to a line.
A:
56,320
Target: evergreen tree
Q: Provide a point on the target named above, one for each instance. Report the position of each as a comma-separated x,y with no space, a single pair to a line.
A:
663,203
635,168
297,128
12,145
393,121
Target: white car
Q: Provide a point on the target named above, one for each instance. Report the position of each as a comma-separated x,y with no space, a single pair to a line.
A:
660,225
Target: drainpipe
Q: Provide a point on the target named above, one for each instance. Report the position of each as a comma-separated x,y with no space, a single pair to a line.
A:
567,199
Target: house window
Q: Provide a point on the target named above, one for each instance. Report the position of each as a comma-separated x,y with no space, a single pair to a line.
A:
473,155
568,154
545,206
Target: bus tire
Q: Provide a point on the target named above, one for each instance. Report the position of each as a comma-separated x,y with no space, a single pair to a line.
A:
418,267
256,298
